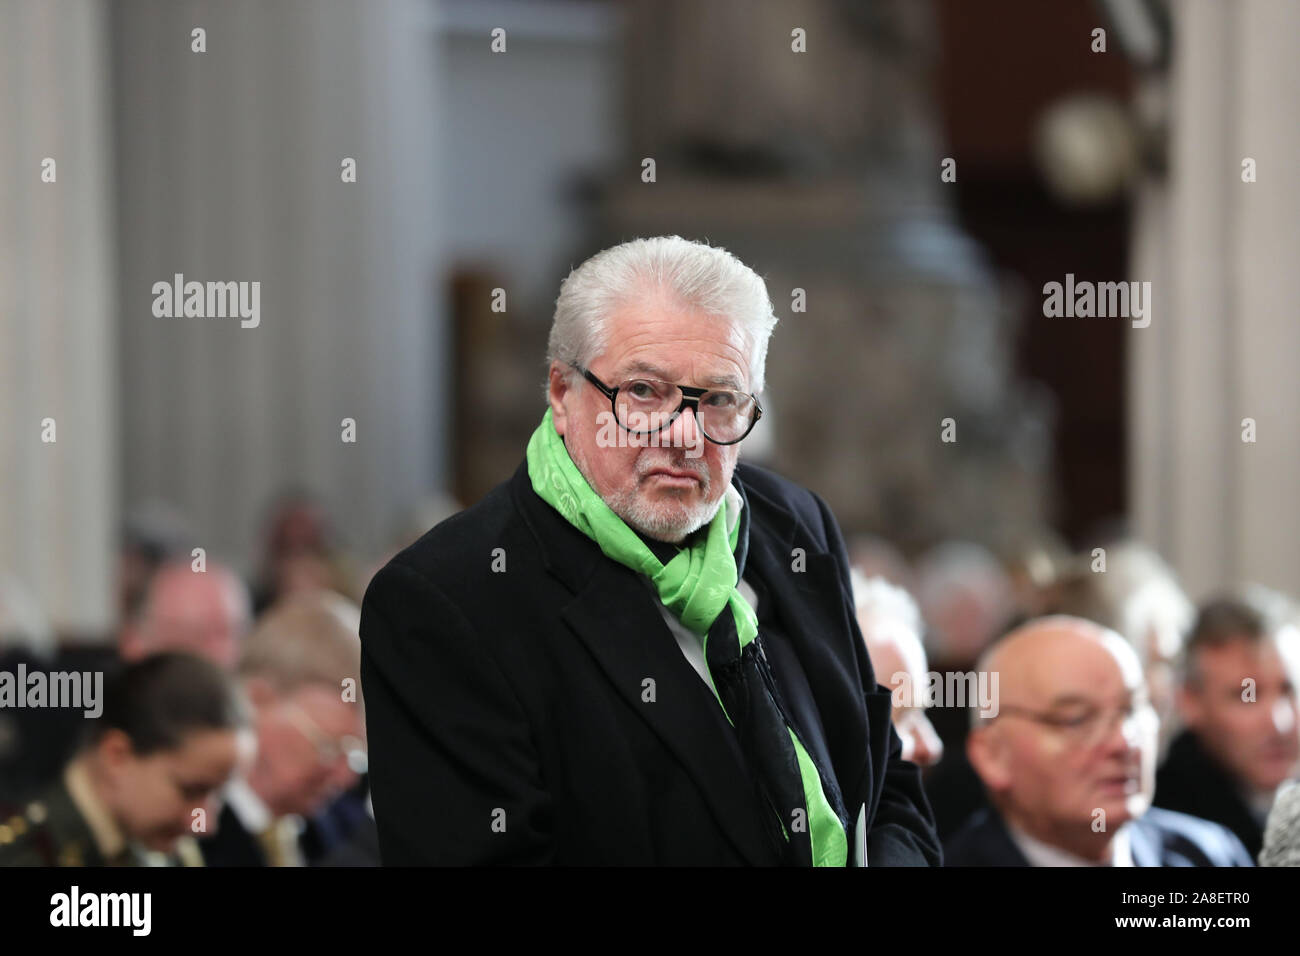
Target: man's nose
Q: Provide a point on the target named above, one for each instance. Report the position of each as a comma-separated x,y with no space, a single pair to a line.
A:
684,432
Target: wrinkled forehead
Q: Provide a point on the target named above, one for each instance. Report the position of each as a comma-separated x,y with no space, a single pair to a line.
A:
324,706
673,343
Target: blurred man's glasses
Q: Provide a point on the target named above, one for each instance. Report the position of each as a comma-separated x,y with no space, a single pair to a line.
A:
1089,726
328,749
644,406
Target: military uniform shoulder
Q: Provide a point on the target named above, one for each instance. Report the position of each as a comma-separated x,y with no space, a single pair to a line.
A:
46,830
25,834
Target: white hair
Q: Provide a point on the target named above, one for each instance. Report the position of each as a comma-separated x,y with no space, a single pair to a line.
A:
693,274
878,602
308,637
876,597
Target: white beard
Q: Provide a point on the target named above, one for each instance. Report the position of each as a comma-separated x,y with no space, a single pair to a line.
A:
653,521
663,522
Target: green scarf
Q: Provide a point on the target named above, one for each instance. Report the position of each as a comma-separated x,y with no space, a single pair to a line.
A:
696,586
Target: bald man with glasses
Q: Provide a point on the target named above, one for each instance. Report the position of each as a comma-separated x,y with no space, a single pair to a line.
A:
1067,755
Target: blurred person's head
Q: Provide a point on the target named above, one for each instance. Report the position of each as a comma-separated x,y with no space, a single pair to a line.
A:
296,523
1074,734
875,557
174,729
965,598
1034,568
153,534
891,627
635,317
1138,596
300,552
202,612
1238,689
301,670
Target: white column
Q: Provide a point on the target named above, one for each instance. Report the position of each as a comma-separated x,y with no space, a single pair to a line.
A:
1265,277
230,171
1224,344
58,499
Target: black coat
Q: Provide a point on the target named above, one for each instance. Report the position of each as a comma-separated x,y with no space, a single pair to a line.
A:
1157,838
509,714
232,844
1191,781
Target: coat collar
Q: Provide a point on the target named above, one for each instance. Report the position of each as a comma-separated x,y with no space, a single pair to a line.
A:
614,615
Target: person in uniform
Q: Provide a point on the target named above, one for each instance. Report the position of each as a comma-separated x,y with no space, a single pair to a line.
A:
173,730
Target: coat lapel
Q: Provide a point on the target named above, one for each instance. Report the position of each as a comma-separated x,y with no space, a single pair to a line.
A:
809,620
615,616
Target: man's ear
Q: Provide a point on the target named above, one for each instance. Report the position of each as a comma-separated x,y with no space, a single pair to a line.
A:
559,387
114,749
987,753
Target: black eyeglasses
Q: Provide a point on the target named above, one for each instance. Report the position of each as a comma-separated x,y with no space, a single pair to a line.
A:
1088,727
645,406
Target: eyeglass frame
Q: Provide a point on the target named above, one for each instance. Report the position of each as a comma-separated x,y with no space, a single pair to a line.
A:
1133,711
691,395
328,748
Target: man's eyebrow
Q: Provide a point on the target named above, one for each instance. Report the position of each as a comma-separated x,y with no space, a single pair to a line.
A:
648,368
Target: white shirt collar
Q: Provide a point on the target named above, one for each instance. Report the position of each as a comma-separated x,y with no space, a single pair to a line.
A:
247,806
1039,853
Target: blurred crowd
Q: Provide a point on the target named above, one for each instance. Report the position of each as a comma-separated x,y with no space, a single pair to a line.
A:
232,730
1126,726
1066,708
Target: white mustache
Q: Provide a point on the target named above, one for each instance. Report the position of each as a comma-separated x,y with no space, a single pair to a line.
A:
685,465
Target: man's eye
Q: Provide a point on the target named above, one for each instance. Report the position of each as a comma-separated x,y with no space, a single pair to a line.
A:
642,390
721,399
1078,719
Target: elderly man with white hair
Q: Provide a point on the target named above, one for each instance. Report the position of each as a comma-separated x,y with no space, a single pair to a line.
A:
637,650
891,626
